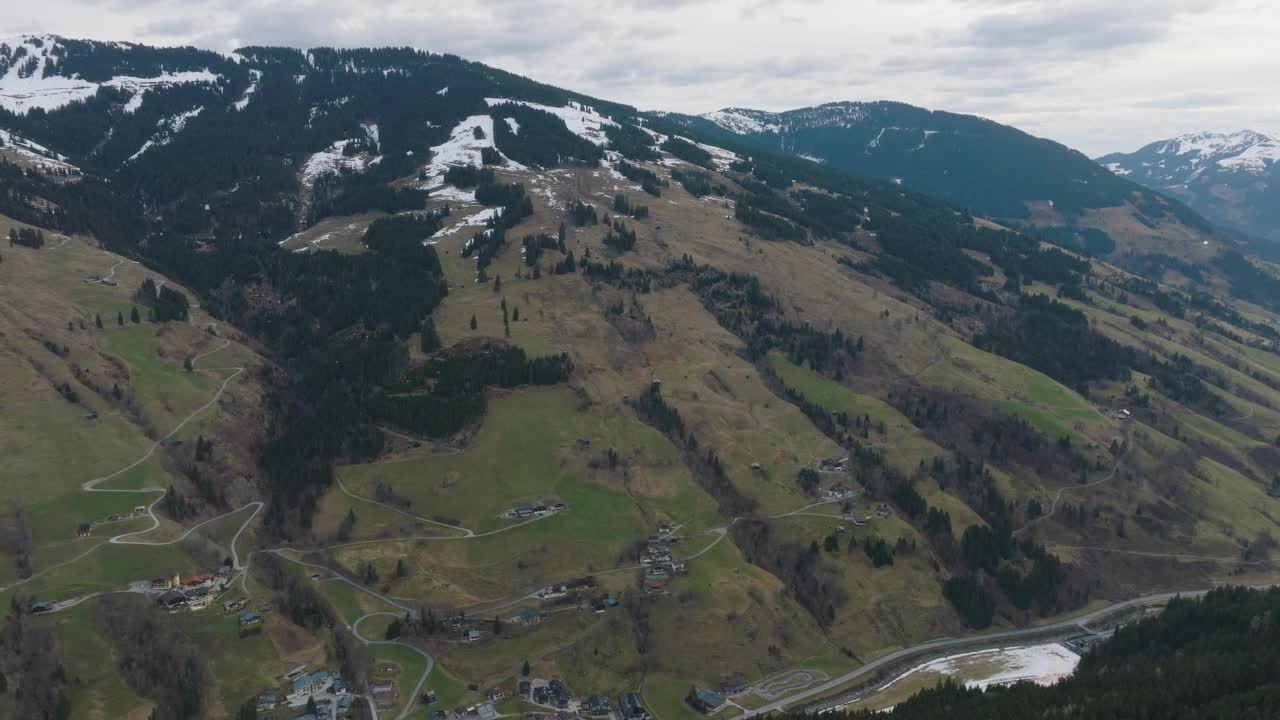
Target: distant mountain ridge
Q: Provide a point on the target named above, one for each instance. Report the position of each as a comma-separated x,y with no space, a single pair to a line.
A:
995,170
1232,178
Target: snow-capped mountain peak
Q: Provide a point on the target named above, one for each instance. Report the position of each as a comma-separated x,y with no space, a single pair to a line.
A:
1227,176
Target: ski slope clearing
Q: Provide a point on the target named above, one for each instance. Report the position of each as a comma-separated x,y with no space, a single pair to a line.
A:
24,86
582,120
463,148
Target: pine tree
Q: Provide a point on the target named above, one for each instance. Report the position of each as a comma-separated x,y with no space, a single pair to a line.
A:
473,322
515,315
560,239
97,320
430,339
187,364
134,317
497,283
524,669
120,318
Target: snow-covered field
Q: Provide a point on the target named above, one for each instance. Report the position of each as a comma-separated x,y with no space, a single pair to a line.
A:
33,151
20,95
1040,664
474,220
581,120
332,159
462,148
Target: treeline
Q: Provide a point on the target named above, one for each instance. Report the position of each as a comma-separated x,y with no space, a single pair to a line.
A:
33,681
808,580
706,467
154,655
1215,658
619,237
632,142
624,206
446,393
541,140
741,305
649,182
350,193
26,237
687,151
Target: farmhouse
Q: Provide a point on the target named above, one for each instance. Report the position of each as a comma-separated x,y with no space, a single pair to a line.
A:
495,694
471,636
84,530
267,701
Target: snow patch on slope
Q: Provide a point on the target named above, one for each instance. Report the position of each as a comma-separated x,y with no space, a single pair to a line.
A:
745,121
463,148
35,152
243,102
165,130
24,88
582,120
474,220
334,159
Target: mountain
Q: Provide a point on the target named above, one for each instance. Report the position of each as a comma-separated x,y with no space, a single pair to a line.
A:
994,170
439,367
1231,178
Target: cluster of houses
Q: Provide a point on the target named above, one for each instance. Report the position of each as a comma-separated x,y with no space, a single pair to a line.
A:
384,695
554,694
328,691
195,593
566,590
881,511
524,510
657,563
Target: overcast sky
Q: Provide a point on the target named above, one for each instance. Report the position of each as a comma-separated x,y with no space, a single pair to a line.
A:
1096,75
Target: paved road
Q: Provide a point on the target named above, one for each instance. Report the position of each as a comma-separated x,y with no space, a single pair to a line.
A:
960,644
422,680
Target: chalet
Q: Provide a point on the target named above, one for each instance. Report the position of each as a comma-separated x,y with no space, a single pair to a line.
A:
165,582
525,688
37,608
860,520
631,707
198,604
233,605
833,464
471,636
583,442
201,580
664,528
495,694
250,619
597,605
429,697
312,683
522,510
755,467
267,701
84,530
883,511
172,600
597,706
838,491
679,567
340,686
530,616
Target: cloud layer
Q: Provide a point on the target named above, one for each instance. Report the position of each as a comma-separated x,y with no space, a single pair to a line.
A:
1097,75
